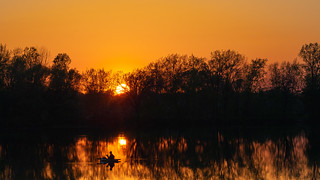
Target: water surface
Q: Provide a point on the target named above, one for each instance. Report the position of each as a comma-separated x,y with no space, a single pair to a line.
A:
216,154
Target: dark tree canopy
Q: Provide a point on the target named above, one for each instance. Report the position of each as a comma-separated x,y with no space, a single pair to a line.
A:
62,77
310,54
226,89
4,63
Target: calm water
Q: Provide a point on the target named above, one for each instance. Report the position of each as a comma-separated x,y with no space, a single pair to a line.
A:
232,154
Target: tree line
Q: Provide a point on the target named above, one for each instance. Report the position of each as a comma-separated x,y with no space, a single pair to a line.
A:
176,90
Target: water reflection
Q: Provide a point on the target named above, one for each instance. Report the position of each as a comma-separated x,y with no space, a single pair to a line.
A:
167,157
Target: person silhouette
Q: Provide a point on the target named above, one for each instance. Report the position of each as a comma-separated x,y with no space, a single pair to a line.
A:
111,156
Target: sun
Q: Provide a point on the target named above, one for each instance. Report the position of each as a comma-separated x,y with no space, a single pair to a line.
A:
122,88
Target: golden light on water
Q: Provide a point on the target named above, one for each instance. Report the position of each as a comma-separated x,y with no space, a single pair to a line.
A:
167,158
266,158
122,141
122,88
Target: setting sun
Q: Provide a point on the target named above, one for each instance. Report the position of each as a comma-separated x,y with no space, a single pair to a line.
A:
122,88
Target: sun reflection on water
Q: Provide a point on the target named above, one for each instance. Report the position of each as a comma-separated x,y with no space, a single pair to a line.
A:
122,142
164,159
174,158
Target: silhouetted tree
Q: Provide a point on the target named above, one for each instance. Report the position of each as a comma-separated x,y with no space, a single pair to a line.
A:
26,70
62,77
4,63
254,75
31,56
96,81
286,83
287,77
17,72
195,75
172,71
310,54
73,80
172,90
36,72
156,74
139,83
226,68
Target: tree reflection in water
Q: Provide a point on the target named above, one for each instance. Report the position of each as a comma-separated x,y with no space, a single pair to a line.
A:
167,157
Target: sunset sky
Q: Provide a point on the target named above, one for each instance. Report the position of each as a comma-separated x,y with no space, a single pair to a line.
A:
128,34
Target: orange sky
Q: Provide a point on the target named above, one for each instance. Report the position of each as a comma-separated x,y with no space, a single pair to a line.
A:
127,34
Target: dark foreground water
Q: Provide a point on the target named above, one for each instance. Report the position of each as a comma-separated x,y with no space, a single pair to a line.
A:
195,154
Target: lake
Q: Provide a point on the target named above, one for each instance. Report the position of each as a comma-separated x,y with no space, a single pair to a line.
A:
250,153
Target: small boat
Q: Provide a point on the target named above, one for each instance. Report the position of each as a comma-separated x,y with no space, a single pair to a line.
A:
105,160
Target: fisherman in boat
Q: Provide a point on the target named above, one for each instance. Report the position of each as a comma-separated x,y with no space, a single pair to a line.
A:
111,156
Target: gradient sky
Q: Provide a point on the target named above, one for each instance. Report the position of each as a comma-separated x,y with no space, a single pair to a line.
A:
128,34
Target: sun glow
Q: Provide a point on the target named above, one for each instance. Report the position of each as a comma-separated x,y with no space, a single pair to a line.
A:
122,142
122,88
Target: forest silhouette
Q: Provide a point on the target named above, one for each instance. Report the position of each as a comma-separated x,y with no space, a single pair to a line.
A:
174,91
